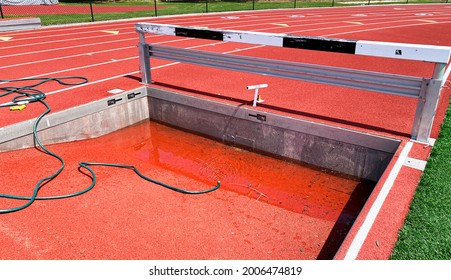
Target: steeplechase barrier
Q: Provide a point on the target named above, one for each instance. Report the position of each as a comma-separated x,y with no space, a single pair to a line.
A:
426,90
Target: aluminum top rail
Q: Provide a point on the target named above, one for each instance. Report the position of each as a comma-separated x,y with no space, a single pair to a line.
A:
429,53
427,90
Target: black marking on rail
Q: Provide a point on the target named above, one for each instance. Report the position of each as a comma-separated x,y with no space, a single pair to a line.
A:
201,34
320,44
259,117
132,95
113,101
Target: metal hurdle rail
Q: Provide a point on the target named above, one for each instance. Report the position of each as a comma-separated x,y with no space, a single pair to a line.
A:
426,90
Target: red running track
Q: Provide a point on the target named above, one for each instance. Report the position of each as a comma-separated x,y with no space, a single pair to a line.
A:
109,61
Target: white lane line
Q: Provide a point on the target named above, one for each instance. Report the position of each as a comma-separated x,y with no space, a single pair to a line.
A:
136,72
110,61
84,54
346,26
236,26
83,67
386,27
158,43
94,82
29,38
363,231
63,57
63,41
262,16
69,47
212,21
127,58
330,25
261,29
170,64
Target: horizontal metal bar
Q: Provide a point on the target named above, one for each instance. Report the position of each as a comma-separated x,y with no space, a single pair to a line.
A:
429,53
366,80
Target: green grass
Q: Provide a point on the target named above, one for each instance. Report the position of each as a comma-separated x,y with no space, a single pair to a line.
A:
426,234
170,8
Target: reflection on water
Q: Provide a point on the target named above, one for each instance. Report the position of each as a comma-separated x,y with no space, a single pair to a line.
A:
295,187
323,196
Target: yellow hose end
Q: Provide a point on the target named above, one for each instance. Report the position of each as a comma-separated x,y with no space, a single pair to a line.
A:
18,107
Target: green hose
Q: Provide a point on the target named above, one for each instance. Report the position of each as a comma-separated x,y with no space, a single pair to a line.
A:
29,94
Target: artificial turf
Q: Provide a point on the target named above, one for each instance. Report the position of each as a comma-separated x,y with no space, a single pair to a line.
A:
426,234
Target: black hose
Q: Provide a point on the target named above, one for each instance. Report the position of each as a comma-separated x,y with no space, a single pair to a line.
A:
30,94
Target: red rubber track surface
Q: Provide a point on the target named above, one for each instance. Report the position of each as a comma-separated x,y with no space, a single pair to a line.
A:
110,61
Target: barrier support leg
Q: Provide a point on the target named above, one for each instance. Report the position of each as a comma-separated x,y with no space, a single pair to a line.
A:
427,105
144,60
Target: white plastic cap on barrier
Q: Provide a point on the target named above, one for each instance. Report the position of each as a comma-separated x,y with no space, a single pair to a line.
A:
257,86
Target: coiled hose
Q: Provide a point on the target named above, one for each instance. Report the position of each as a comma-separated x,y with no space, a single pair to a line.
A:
30,94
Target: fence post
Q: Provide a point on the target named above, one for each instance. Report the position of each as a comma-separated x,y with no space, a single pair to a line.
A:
206,6
155,7
1,10
92,12
333,3
295,4
253,4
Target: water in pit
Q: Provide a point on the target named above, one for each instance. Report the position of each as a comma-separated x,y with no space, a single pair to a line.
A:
266,208
294,187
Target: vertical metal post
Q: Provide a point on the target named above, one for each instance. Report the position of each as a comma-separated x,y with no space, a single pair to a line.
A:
333,3
369,2
92,12
1,10
439,71
427,105
155,7
255,97
206,6
253,4
144,59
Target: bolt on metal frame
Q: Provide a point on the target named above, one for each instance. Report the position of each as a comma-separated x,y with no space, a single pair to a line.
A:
426,90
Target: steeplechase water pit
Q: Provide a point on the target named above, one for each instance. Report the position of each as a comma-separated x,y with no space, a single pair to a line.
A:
289,189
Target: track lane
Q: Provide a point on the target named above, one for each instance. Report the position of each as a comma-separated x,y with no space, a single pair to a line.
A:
242,22
99,58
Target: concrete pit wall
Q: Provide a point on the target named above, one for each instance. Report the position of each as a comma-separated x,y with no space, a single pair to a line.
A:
349,152
82,122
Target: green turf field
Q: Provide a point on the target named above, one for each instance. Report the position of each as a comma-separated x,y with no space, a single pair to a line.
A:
426,234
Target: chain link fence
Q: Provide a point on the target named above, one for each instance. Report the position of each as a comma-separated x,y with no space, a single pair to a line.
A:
73,11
